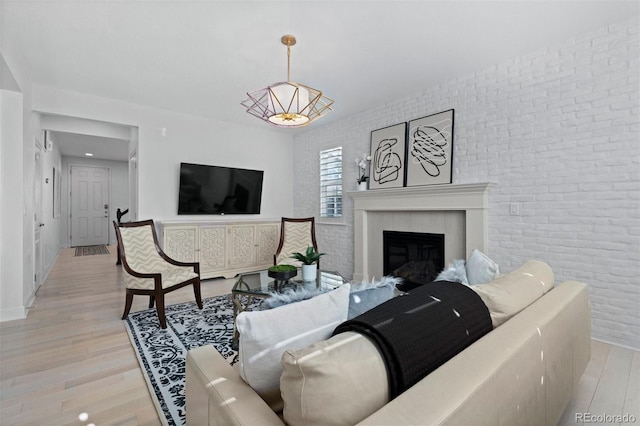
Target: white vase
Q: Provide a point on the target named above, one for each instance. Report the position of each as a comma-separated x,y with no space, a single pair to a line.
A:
309,272
362,186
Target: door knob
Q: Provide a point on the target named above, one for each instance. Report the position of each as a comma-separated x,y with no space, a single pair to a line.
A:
41,225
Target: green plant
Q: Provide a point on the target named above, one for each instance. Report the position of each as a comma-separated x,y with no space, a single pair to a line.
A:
310,257
282,268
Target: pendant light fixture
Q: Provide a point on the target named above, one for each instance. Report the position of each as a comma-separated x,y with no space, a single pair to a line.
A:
288,104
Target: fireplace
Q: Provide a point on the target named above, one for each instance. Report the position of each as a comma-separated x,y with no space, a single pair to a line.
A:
459,211
416,257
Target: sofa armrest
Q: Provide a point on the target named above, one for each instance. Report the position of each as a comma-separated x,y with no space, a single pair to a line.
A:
217,395
525,370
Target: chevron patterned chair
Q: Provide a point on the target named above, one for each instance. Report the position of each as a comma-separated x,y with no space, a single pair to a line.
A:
296,234
148,270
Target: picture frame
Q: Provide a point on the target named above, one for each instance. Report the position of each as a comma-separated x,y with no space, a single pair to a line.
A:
429,159
388,146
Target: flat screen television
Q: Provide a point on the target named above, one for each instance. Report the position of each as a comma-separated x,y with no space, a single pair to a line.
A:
219,190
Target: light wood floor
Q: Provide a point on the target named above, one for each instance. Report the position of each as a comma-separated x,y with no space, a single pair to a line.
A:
72,355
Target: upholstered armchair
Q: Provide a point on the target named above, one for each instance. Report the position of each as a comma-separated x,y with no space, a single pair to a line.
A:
296,234
148,270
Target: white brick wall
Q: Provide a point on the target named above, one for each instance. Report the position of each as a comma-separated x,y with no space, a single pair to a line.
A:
558,132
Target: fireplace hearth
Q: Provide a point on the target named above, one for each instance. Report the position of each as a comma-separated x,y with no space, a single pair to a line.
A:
416,257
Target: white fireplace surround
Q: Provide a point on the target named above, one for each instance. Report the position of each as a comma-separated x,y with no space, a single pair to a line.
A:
468,200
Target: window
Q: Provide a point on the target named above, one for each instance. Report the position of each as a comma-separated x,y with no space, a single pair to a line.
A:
331,182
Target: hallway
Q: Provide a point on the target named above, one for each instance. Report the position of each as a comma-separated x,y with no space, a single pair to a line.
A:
72,354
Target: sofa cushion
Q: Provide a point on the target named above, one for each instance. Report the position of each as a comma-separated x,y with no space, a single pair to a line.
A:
265,335
511,293
368,295
338,381
480,269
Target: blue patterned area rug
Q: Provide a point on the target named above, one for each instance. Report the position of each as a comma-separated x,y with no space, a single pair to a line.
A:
162,353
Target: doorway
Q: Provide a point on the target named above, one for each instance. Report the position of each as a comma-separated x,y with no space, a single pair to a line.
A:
89,201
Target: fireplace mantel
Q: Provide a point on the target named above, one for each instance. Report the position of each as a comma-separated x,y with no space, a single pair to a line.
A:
472,199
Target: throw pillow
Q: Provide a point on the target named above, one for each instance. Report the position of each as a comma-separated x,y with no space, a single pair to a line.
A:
338,381
511,293
481,269
291,295
456,271
367,295
265,335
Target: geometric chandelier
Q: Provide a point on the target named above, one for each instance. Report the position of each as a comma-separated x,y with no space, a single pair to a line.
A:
288,104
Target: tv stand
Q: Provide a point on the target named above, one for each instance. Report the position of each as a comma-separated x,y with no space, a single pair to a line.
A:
223,248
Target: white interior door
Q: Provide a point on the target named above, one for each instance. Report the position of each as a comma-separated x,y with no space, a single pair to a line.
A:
38,223
89,205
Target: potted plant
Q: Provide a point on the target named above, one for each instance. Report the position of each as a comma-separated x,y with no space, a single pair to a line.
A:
309,260
362,170
282,272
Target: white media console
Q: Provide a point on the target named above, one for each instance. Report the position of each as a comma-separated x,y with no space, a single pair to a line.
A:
223,248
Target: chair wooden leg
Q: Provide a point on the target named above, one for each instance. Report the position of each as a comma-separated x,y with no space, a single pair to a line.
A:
196,292
152,299
160,310
127,304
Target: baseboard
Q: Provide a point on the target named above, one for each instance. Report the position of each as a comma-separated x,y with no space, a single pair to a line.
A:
20,312
45,275
10,314
30,301
616,344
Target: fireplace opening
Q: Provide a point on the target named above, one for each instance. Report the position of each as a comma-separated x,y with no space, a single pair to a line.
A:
416,257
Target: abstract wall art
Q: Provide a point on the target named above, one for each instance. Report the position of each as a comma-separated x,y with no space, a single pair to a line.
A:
388,157
430,149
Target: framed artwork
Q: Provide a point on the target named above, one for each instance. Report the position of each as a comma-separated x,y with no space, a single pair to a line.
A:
388,157
430,149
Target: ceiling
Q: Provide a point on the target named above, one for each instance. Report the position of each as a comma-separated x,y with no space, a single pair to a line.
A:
201,57
78,145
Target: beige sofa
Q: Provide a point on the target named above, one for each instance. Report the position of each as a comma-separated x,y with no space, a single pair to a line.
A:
523,372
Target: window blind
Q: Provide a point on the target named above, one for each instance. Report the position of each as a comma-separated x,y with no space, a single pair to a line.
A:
331,182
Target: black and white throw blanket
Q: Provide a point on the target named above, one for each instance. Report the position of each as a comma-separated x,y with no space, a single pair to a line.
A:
418,332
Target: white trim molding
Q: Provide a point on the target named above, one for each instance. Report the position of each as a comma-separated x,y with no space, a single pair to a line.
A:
470,199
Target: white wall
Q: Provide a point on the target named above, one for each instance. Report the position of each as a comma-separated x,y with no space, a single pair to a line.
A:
19,125
166,138
558,132
50,233
132,215
7,81
118,192
12,206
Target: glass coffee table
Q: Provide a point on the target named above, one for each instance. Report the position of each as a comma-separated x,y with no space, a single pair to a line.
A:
259,285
